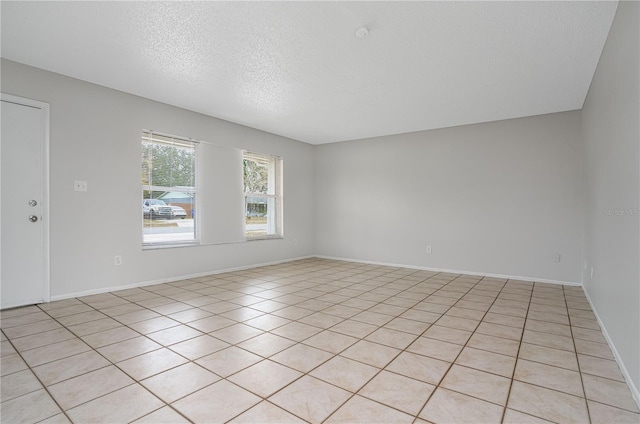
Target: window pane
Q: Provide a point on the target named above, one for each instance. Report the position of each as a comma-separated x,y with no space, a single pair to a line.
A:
256,216
168,189
168,216
256,176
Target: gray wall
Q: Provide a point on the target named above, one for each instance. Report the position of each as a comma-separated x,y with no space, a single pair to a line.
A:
95,136
497,198
611,133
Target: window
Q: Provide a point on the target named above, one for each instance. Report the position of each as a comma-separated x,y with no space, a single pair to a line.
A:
168,177
262,195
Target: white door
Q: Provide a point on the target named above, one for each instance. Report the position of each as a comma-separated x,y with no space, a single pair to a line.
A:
24,197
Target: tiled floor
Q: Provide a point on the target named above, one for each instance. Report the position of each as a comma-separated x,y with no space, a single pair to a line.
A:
314,341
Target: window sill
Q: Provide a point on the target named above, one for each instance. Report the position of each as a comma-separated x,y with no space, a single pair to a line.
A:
256,238
169,245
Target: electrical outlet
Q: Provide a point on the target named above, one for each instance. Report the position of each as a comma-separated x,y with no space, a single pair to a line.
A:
80,185
117,260
556,258
429,249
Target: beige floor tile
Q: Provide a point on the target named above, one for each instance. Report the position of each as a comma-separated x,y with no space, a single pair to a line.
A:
391,338
198,347
86,387
371,353
548,376
266,344
154,324
494,344
242,314
397,391
173,335
151,363
345,373
605,414
497,330
30,408
433,348
507,320
267,322
420,315
95,326
601,350
549,340
446,406
479,384
362,410
29,329
124,405
63,369
407,325
372,318
600,367
18,384
512,416
548,317
179,382
11,363
30,318
354,328
301,357
236,333
549,356
171,308
587,334
296,331
190,315
548,404
321,320
548,327
292,312
310,399
420,367
166,415
217,403
128,349
122,309
56,419
104,338
266,413
228,361
450,335
53,352
487,361
465,313
458,323
613,393
431,307
80,318
585,323
330,341
134,317
265,378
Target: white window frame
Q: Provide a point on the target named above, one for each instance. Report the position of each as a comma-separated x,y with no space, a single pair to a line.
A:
275,227
147,136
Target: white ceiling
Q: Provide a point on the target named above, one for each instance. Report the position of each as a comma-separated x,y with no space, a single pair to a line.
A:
296,68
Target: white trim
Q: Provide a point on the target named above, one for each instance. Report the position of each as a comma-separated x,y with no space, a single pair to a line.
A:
171,279
46,230
454,271
632,387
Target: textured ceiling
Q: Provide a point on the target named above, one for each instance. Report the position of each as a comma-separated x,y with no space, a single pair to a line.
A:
296,68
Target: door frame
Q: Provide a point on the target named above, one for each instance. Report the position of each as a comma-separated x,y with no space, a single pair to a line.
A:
46,219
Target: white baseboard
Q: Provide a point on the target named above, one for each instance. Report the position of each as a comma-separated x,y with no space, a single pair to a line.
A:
454,271
632,387
168,280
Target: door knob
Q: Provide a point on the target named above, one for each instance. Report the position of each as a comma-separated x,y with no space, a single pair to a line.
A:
33,203
33,218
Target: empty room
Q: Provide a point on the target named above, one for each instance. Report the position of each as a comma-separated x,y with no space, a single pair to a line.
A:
320,212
